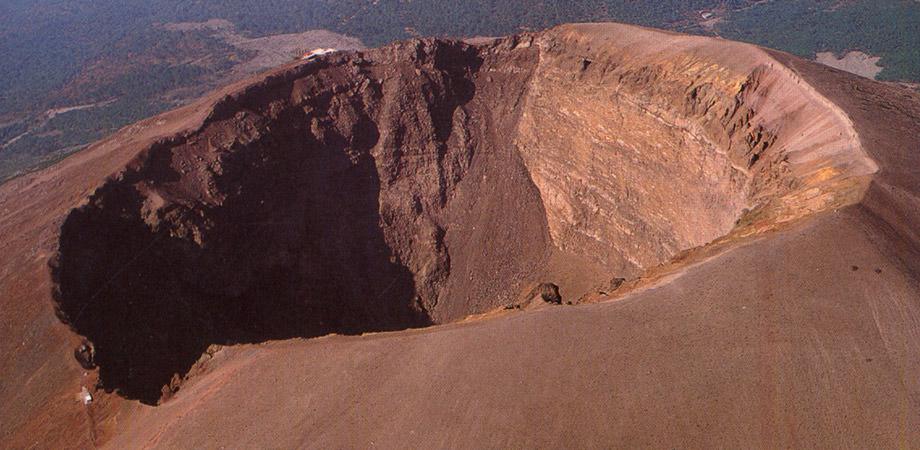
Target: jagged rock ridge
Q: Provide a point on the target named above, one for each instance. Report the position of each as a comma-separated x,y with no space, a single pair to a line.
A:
429,180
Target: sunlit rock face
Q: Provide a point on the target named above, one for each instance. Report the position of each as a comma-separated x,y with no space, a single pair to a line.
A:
429,180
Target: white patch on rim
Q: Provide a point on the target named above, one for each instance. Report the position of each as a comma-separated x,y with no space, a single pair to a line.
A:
855,62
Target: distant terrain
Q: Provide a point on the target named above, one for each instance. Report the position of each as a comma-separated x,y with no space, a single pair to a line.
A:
597,235
75,71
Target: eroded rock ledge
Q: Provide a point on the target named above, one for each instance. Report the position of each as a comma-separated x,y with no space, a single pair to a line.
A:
429,180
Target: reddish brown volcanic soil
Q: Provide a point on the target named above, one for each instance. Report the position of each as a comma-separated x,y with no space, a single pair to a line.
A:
761,209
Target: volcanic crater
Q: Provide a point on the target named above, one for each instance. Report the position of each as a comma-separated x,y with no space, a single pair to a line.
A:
429,180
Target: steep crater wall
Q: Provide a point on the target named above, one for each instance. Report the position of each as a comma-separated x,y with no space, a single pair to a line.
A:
429,180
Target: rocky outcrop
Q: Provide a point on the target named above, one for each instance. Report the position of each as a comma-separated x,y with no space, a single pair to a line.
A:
675,146
429,180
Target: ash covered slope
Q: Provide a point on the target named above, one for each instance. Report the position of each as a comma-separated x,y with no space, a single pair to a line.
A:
327,198
430,180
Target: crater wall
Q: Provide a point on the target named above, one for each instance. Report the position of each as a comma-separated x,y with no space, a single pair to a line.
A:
429,180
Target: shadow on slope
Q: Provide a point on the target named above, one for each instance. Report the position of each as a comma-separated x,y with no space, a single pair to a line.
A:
295,251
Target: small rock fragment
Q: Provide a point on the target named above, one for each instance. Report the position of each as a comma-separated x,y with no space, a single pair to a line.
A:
85,396
549,293
85,355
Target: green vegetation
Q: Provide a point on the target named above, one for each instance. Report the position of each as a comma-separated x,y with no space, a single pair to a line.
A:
57,53
68,132
889,29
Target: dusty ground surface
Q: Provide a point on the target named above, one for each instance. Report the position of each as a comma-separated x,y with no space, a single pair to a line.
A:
270,51
761,210
854,62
